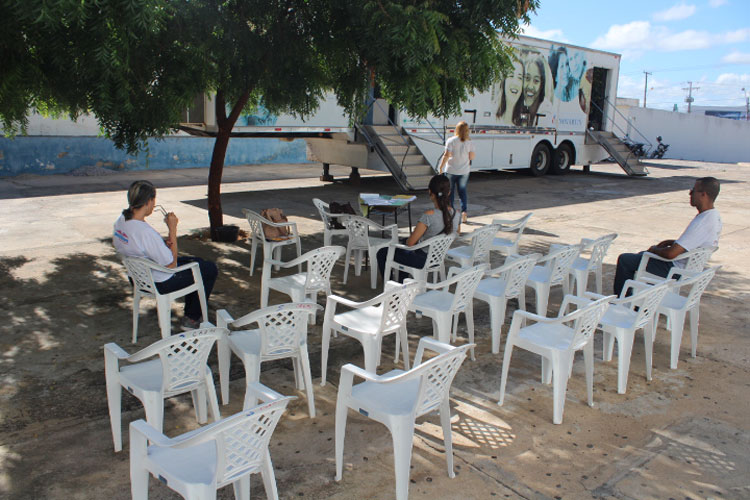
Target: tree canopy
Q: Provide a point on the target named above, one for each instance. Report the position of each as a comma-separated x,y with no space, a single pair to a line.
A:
137,64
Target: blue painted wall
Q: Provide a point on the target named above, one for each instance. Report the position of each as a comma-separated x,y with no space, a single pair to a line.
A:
57,154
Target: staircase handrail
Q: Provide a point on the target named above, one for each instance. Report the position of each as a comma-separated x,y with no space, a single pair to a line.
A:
614,125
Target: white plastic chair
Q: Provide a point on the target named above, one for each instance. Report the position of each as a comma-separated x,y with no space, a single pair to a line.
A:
582,266
302,287
695,260
502,284
141,270
179,366
281,334
271,249
478,251
509,245
676,306
437,246
444,306
360,242
369,322
622,318
557,340
557,264
328,220
198,463
396,399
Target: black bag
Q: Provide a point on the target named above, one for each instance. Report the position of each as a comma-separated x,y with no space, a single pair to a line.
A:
340,208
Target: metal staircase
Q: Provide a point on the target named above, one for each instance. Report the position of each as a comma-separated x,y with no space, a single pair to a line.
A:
618,150
399,153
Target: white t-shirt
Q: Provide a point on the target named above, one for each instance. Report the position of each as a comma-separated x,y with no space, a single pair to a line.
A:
703,231
458,163
136,238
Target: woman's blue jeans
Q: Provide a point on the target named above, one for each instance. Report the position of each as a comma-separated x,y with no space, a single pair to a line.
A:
459,182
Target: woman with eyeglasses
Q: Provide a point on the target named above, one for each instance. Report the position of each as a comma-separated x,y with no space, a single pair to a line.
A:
134,237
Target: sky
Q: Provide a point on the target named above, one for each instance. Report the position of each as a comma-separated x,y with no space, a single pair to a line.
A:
706,42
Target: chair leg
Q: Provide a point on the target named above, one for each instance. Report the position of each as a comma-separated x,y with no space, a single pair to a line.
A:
203,302
213,400
677,321
136,313
242,488
542,296
694,317
342,411
307,375
402,334
608,345
560,362
506,366
298,244
402,434
346,263
253,251
598,274
153,403
547,368
199,404
372,347
469,317
224,355
648,345
588,360
114,402
325,342
445,422
373,270
624,352
269,478
441,328
497,319
164,313
138,473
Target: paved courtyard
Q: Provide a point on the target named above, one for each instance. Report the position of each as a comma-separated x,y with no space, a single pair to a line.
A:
63,295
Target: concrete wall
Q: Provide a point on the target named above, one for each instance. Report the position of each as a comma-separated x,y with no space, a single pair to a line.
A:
63,154
691,136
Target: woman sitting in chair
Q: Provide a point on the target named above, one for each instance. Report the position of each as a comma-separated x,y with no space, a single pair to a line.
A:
443,219
134,237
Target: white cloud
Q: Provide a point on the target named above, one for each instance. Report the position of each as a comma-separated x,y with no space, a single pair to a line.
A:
634,38
733,79
717,3
736,57
554,34
679,11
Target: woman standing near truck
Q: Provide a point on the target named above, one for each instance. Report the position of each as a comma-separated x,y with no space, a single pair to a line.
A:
457,158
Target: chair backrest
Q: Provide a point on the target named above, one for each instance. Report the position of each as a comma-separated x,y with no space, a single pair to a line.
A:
184,357
560,263
647,301
698,284
466,286
585,321
436,376
517,273
439,245
359,231
256,223
481,242
517,226
320,264
284,327
697,259
324,211
139,270
599,249
242,440
396,301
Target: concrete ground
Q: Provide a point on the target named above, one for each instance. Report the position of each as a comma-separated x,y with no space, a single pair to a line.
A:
63,295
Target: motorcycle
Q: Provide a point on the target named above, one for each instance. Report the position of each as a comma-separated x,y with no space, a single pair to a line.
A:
635,147
661,148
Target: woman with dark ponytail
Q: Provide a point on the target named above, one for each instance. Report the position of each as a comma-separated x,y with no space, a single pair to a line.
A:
442,219
134,237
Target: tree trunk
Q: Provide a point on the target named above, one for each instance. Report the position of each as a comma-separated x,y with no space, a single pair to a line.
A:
225,124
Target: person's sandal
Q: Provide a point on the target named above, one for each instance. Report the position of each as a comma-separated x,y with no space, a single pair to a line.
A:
189,324
464,217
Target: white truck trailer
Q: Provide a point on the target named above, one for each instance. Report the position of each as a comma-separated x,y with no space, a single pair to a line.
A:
555,109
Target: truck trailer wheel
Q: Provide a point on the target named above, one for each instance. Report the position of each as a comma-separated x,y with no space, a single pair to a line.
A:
563,160
541,158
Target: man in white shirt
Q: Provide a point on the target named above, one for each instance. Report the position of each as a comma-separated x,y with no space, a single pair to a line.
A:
703,231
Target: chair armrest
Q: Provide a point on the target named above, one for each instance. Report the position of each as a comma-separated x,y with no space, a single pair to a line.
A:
263,393
143,428
116,351
577,301
507,225
532,316
426,343
223,318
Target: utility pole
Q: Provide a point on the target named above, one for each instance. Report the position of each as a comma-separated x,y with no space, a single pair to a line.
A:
645,87
747,105
689,99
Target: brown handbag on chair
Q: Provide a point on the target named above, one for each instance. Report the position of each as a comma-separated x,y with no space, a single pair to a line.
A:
273,233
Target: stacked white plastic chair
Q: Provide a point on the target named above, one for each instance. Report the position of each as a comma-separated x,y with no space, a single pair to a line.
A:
502,284
623,318
304,286
444,307
281,334
369,322
554,271
141,270
556,340
692,260
396,399
360,242
683,298
437,246
171,366
271,248
199,462
508,245
477,251
328,221
582,266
